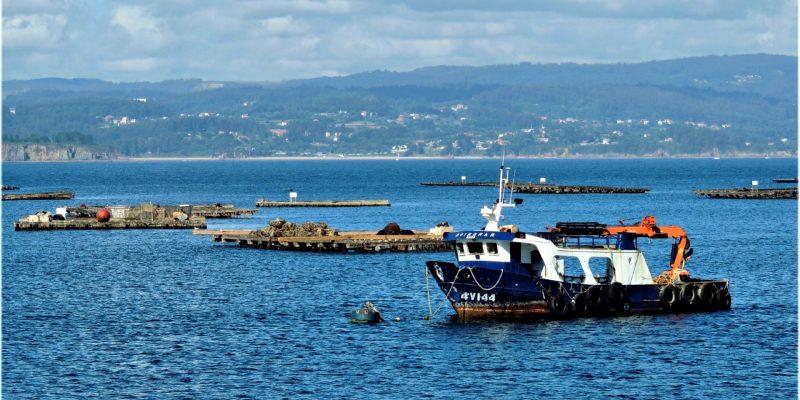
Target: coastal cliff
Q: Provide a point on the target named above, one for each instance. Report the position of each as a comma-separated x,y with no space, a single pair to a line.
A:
42,152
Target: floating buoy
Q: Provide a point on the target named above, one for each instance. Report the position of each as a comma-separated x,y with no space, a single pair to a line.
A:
367,314
103,215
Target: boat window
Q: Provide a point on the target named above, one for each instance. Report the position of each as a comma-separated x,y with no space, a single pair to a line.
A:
536,258
460,248
537,263
491,247
601,268
516,251
571,269
475,247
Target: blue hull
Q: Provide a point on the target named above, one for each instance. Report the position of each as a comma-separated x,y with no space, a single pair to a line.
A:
491,290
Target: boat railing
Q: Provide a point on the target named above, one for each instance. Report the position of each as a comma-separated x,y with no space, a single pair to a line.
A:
561,240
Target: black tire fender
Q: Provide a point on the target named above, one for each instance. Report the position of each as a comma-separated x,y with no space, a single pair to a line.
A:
708,294
580,304
559,305
616,293
594,298
668,295
687,293
724,298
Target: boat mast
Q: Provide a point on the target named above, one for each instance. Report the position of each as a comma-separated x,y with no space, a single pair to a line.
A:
501,189
495,214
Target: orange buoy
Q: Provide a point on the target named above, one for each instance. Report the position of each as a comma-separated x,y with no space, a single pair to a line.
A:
103,215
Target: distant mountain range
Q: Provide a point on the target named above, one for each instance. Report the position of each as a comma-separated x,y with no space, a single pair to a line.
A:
721,73
714,105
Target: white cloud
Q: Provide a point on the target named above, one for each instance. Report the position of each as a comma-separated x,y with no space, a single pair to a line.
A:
617,9
282,25
14,7
765,39
286,39
272,7
145,32
38,31
134,64
324,6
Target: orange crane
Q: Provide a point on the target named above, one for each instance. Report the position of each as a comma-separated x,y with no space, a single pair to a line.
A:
681,250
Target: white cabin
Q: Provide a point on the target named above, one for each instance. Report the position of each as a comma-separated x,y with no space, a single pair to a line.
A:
596,261
585,265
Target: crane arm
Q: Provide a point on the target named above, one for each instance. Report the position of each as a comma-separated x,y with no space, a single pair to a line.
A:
648,228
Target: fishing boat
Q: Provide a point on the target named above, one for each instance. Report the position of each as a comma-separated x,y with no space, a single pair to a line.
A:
574,269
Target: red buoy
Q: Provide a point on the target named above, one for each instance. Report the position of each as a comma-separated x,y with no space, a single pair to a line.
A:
103,215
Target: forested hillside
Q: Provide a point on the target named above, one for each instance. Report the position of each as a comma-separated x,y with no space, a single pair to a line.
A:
726,105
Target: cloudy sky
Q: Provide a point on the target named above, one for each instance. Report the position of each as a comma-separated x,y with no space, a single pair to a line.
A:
271,40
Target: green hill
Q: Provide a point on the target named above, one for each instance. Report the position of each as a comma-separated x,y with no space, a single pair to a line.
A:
727,105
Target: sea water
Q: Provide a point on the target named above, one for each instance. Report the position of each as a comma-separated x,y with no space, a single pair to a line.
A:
166,314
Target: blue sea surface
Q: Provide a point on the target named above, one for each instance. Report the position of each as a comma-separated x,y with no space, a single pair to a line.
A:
166,314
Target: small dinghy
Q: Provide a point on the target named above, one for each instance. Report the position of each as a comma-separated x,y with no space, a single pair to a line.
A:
367,314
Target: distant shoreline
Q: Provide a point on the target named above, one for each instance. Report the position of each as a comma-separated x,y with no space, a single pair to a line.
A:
414,158
389,158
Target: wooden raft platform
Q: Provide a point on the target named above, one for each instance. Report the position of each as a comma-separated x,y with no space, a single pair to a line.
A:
220,211
785,180
747,193
533,188
194,210
344,242
538,188
40,196
91,223
453,183
324,203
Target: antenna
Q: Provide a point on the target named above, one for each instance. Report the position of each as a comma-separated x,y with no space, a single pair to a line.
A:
511,193
494,214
